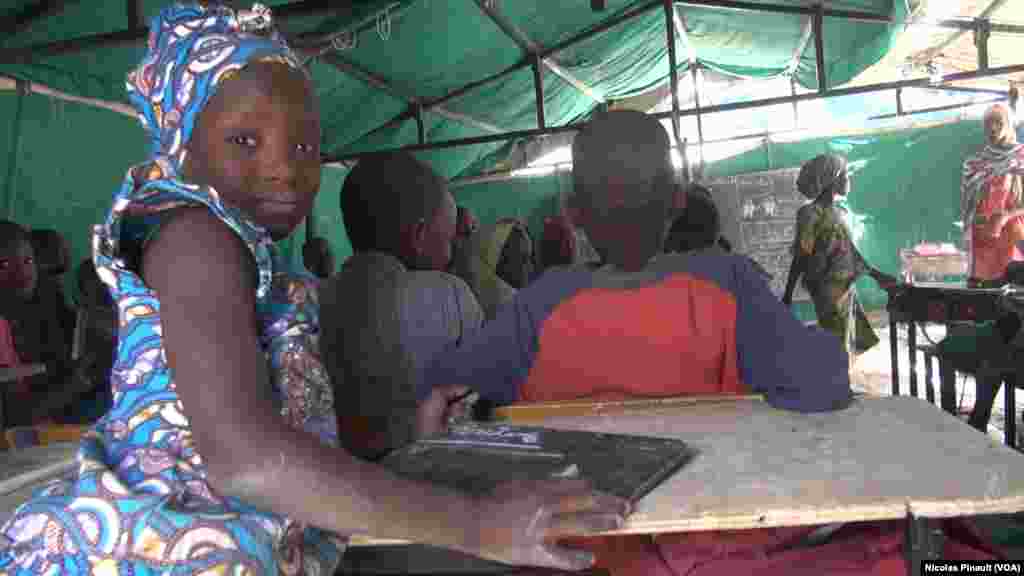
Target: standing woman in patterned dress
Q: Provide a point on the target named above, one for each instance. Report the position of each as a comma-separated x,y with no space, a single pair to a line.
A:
825,256
219,454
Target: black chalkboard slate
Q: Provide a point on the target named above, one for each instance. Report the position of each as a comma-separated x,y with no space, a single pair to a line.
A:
475,458
758,213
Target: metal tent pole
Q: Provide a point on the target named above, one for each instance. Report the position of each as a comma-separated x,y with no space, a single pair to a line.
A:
670,35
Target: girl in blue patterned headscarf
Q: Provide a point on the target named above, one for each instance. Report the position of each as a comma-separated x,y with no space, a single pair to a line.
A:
141,502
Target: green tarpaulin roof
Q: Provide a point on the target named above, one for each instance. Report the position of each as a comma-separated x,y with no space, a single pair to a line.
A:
428,48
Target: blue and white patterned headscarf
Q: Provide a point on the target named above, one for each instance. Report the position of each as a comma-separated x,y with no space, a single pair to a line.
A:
191,51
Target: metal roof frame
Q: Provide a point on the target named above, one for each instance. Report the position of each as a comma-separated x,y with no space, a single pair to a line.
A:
542,59
817,15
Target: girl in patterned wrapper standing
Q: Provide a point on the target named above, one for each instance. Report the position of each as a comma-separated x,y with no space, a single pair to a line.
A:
825,256
218,455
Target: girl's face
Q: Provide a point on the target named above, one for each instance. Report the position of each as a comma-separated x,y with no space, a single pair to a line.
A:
257,143
18,273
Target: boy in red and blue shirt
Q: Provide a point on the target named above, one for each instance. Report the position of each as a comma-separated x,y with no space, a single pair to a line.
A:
645,323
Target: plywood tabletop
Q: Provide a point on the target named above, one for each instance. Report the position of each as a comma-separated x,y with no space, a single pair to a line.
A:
759,467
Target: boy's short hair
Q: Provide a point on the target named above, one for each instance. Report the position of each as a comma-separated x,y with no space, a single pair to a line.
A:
699,226
621,159
385,192
12,234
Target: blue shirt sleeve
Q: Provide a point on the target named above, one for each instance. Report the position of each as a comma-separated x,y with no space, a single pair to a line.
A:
496,359
795,367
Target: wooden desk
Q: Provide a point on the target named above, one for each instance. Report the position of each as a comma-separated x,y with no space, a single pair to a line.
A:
881,459
938,303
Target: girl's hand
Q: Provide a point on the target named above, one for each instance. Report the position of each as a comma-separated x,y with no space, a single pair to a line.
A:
519,523
434,413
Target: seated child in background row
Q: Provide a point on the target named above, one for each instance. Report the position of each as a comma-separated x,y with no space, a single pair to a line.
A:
218,455
392,307
699,227
496,261
48,380
318,258
603,334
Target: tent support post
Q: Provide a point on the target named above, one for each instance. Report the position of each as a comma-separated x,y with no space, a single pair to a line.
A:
695,73
819,48
670,34
538,89
421,136
133,8
796,106
981,35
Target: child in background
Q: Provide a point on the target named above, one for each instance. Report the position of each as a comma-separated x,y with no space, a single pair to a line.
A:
49,382
217,456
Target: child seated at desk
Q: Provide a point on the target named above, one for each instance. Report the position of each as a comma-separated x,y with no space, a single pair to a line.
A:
218,456
650,324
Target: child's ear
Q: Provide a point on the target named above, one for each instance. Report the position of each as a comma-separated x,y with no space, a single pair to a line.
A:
413,237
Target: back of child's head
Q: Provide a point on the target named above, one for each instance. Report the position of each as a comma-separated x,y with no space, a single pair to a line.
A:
621,162
623,181
51,250
91,290
698,226
318,257
12,237
383,194
516,263
558,244
824,176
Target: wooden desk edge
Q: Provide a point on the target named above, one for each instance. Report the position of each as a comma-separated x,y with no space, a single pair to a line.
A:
542,410
787,518
15,483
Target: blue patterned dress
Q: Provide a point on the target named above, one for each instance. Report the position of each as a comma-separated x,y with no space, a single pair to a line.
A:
141,503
